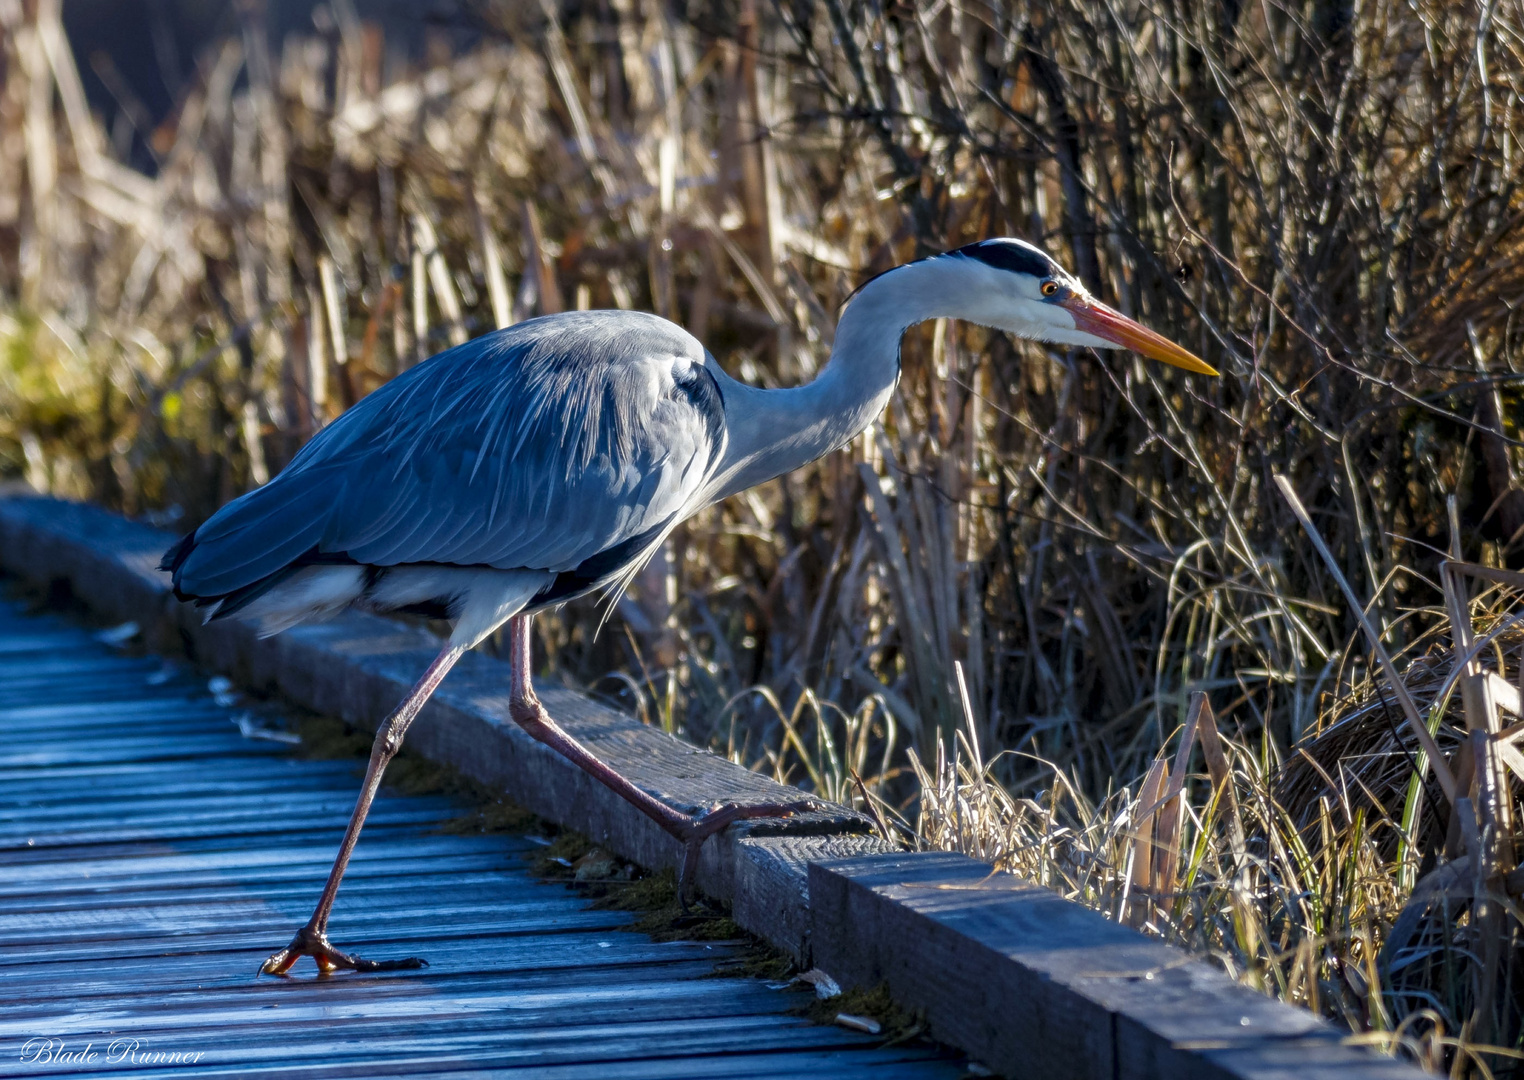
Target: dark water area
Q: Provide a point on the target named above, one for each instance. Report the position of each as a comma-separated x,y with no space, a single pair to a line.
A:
139,58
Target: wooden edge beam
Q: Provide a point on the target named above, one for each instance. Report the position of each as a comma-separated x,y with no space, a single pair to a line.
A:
1036,986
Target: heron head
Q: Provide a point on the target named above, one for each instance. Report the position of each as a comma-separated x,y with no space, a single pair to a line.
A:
1030,295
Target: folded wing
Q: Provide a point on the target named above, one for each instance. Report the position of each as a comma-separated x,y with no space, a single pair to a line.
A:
537,447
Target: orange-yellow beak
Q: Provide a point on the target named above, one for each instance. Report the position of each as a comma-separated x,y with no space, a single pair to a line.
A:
1094,317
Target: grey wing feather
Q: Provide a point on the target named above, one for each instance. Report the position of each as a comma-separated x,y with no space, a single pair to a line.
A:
535,447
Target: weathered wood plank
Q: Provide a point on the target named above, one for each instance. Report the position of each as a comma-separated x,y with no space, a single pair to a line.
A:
145,751
269,863
895,1064
772,884
150,811
1064,992
531,966
615,1042
111,780
96,831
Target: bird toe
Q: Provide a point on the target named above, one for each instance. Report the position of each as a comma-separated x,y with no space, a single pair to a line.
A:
329,958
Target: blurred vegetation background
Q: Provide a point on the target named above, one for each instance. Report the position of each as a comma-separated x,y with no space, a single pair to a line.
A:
220,225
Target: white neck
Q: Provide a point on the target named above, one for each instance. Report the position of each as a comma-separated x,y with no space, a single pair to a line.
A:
775,431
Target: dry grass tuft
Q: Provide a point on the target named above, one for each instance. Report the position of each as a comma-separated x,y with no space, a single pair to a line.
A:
1340,878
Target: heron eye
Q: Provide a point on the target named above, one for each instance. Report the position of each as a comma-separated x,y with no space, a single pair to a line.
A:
1049,288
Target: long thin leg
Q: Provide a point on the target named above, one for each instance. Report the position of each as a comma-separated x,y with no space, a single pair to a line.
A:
525,708
312,939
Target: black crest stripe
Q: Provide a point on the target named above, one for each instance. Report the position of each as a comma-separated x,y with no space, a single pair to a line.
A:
1005,255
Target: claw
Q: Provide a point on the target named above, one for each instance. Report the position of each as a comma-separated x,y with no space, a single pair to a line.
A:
314,943
714,820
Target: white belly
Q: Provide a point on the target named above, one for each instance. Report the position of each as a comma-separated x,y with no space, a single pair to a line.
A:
478,600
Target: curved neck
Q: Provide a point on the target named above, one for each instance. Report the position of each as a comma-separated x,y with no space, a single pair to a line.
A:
775,431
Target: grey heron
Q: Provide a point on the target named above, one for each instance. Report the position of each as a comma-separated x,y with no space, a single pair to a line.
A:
540,462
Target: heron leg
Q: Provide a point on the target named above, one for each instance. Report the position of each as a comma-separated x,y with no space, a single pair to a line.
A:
312,939
689,830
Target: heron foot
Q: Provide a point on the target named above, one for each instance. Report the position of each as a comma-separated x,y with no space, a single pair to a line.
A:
314,943
693,831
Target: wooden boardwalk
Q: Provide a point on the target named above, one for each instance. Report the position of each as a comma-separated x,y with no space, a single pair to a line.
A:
151,856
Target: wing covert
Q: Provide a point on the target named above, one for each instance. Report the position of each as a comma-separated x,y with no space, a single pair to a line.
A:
537,447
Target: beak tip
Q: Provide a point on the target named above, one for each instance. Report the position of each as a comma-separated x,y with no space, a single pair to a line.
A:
1186,361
